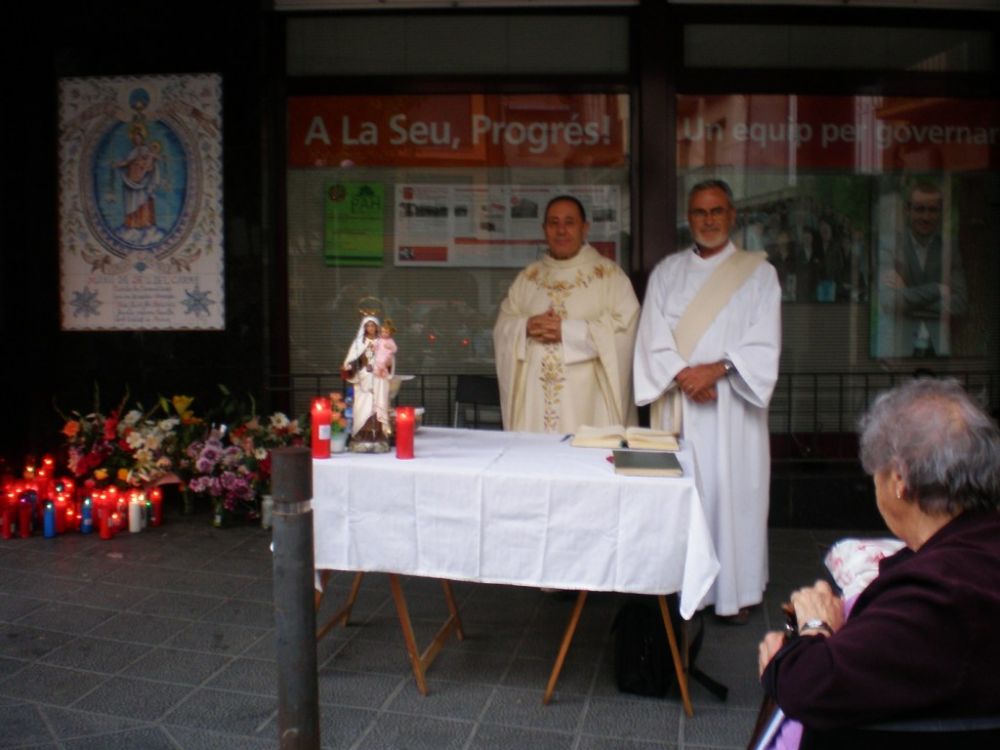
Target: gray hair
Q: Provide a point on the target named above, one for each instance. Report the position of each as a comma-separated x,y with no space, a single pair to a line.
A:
714,184
944,446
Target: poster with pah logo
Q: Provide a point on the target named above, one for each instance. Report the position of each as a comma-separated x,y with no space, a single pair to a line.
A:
140,203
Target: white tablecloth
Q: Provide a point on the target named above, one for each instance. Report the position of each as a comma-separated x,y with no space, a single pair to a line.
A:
514,508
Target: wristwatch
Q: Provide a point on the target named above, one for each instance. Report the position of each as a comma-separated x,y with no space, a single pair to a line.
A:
727,365
816,624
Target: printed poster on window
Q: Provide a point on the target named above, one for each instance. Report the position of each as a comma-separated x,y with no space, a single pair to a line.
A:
140,203
463,219
885,201
493,225
458,130
353,225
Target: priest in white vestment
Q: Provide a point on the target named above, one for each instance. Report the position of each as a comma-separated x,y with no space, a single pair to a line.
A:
564,336
719,381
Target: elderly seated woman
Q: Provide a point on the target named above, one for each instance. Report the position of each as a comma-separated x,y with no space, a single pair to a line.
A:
921,641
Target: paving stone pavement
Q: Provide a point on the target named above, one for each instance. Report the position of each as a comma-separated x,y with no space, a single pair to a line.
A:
164,639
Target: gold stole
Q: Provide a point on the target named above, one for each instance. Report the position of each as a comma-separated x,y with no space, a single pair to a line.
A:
714,295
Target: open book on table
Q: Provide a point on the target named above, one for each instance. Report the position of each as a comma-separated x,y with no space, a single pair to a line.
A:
617,436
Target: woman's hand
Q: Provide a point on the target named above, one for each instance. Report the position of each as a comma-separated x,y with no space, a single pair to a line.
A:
768,647
818,602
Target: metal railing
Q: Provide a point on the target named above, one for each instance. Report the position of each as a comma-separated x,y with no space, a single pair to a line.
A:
814,415
824,402
436,393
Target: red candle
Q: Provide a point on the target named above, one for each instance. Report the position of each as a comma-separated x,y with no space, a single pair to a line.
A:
44,476
111,500
321,418
156,511
404,431
104,523
7,521
24,519
8,511
62,505
103,506
121,505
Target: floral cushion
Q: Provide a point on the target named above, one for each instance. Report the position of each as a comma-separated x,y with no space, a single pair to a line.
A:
853,563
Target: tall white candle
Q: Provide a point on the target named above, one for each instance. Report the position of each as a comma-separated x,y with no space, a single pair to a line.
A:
135,516
266,511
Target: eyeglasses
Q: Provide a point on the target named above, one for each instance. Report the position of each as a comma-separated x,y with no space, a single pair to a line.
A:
922,210
700,213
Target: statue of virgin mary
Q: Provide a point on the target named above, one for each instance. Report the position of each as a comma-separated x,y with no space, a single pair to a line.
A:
370,429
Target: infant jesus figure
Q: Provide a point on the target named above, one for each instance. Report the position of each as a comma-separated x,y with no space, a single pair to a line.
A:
385,351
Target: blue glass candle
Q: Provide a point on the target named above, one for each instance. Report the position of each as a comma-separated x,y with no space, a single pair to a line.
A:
50,519
87,516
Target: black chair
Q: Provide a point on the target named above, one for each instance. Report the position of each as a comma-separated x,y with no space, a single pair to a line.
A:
477,402
972,732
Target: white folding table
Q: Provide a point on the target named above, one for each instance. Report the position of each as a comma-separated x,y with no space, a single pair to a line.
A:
512,508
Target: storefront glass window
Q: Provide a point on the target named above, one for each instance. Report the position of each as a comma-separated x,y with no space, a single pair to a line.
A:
880,216
422,209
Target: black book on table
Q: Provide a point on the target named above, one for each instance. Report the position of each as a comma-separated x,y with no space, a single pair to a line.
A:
638,463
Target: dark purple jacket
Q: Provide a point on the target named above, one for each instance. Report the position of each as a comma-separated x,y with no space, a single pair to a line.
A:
923,640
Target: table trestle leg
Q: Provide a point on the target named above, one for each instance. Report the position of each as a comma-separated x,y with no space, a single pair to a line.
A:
344,613
564,646
324,579
679,664
449,597
421,662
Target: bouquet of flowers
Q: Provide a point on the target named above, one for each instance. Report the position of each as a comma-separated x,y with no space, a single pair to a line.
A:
338,408
127,451
187,429
149,440
137,448
225,473
256,438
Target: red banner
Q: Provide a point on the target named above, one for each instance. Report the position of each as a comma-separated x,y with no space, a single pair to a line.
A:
861,133
543,130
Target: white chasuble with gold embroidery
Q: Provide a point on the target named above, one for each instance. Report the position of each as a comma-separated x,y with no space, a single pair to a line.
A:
587,377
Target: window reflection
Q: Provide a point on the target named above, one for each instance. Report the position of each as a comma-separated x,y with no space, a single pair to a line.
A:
879,215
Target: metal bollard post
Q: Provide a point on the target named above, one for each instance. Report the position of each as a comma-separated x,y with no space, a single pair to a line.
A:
294,615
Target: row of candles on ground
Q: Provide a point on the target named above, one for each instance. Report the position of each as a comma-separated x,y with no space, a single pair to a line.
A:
57,508
322,417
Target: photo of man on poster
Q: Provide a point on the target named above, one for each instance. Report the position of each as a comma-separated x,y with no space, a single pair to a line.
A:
922,288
